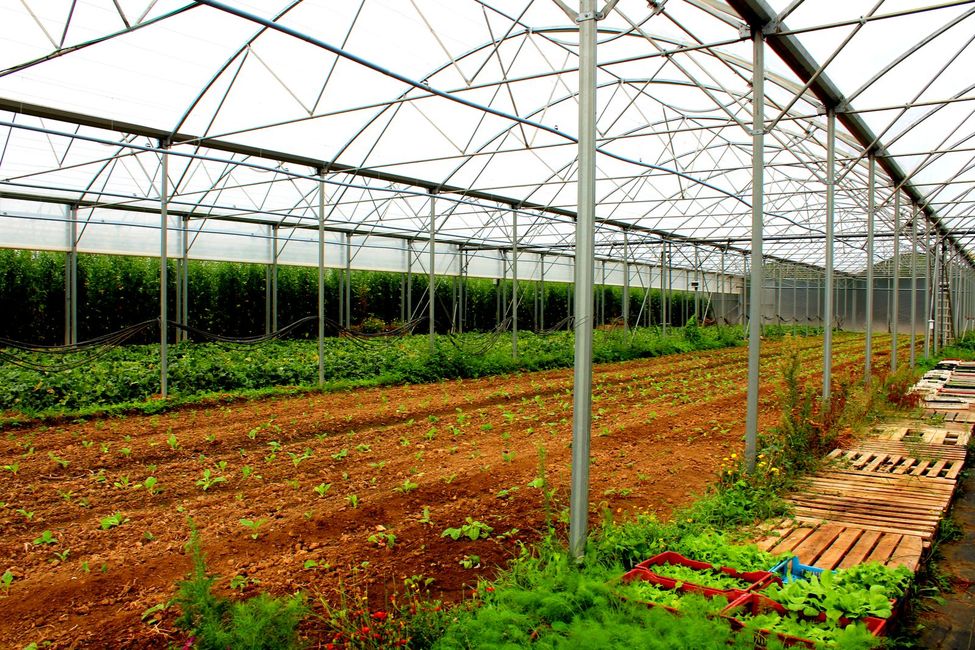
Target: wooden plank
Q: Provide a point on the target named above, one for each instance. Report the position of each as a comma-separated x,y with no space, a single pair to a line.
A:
860,550
936,469
810,548
793,539
880,508
908,553
876,463
920,467
904,466
776,534
845,541
902,526
954,470
884,548
936,485
867,490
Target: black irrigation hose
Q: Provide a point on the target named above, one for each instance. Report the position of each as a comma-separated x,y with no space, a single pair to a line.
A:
97,341
108,344
244,340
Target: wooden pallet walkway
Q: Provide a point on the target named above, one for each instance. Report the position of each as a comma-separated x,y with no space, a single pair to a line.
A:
880,501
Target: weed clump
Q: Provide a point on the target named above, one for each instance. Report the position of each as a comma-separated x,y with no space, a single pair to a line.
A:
217,623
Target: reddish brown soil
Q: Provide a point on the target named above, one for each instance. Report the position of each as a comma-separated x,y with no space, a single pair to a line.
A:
660,428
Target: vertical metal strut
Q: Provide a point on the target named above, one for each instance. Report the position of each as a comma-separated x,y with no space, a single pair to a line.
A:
758,200
584,280
895,283
871,211
321,277
830,226
164,276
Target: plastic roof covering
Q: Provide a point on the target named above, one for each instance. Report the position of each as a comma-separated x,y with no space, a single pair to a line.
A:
474,102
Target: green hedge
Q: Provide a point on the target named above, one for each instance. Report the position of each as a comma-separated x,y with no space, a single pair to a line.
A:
230,298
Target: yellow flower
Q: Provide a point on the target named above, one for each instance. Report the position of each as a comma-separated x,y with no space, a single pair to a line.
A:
734,455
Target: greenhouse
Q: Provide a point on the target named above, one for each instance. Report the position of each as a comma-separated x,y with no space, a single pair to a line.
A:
483,323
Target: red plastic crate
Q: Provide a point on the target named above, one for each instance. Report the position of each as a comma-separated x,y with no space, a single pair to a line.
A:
683,588
756,579
756,604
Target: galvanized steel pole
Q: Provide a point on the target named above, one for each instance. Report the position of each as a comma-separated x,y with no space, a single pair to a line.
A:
913,288
830,226
758,199
321,277
936,294
514,284
928,321
626,281
584,272
871,209
432,281
164,276
895,283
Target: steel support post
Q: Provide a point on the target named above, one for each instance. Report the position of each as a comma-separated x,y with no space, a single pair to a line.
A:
584,272
894,299
871,214
602,293
928,321
936,294
830,227
913,287
722,288
321,277
402,283
432,281
514,284
71,280
758,201
274,278
267,280
541,313
164,275
348,280
626,281
184,280
697,289
663,288
409,281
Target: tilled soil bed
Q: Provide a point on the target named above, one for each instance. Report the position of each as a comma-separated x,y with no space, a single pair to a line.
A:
408,461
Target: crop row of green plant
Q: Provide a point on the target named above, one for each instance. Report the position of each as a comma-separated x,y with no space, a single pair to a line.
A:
131,373
230,298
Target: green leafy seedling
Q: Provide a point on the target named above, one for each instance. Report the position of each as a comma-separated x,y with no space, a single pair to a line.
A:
113,520
322,489
254,526
208,480
47,537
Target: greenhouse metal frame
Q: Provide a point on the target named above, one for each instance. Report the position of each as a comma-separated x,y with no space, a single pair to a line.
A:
742,144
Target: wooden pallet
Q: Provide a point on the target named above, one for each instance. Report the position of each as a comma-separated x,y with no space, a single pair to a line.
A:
952,435
950,414
900,459
835,546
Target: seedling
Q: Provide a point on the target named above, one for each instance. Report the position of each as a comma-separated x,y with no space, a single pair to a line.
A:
298,459
6,580
240,582
46,538
151,485
383,538
407,486
172,441
122,483
26,514
338,456
507,456
470,561
125,451
254,526
247,471
13,468
474,530
113,520
208,480
353,500
310,564
363,448
425,518
63,555
322,489
60,461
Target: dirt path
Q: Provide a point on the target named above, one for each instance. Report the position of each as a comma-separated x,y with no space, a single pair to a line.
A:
408,461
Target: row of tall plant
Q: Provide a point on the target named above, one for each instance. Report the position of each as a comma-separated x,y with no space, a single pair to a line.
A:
231,298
